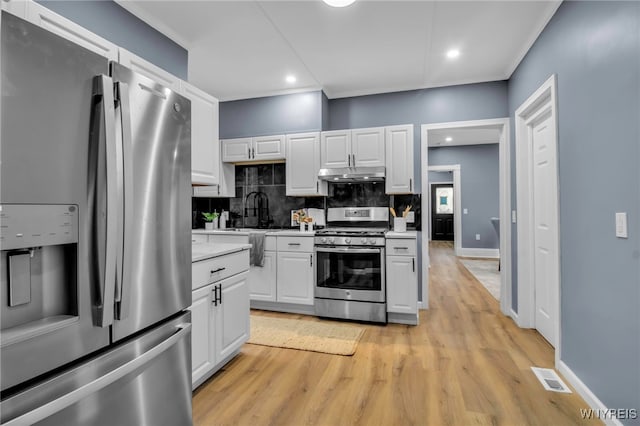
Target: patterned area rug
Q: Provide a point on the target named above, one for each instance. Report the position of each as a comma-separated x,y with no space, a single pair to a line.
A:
485,271
316,336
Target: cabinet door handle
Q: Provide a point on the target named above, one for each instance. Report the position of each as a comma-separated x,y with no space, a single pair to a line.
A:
354,160
413,264
311,260
410,185
349,160
215,296
253,153
317,186
249,152
217,270
220,294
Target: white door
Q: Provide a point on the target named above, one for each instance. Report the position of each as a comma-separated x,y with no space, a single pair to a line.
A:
262,279
399,149
236,150
402,285
268,148
202,332
303,164
205,146
232,316
367,147
295,277
335,149
546,270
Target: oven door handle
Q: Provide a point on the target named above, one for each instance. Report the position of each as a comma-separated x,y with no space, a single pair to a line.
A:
347,250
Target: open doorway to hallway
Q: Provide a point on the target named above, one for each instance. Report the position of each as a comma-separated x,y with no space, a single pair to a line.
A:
474,151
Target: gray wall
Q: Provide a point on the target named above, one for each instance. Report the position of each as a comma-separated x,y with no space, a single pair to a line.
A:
112,22
299,112
424,106
440,177
594,49
479,167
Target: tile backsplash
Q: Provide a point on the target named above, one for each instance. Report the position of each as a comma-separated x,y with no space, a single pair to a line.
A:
261,199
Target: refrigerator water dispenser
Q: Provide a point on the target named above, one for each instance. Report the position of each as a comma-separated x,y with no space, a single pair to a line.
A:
38,251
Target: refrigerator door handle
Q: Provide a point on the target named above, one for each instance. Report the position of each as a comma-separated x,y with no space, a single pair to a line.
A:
123,289
107,153
76,395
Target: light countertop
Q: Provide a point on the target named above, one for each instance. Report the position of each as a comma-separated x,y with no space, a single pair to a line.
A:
202,251
245,232
407,235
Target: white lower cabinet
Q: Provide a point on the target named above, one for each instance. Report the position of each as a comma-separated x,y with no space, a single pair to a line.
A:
295,277
220,324
262,279
402,285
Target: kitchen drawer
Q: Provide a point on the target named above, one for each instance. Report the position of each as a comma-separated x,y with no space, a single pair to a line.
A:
401,247
199,238
270,243
218,268
295,244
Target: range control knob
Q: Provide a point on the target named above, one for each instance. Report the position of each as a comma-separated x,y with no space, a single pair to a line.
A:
363,240
331,240
323,240
347,240
372,240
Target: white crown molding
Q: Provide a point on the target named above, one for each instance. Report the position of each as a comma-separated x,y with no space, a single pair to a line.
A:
269,93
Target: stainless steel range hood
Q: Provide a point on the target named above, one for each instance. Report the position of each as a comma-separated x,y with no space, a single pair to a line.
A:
353,174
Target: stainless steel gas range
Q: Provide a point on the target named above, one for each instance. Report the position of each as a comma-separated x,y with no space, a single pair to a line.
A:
350,276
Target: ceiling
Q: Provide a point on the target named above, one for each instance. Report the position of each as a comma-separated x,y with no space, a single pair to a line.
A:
464,136
244,49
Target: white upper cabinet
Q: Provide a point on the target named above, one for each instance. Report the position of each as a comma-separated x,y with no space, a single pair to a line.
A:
236,150
303,164
205,146
335,149
351,148
261,148
399,159
367,147
15,7
51,21
146,68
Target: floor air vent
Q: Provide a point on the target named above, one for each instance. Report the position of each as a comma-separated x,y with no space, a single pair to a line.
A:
550,380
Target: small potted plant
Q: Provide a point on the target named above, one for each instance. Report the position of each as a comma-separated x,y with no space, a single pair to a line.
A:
210,220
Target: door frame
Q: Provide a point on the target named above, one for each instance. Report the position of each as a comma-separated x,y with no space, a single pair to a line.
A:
503,124
457,200
542,101
429,236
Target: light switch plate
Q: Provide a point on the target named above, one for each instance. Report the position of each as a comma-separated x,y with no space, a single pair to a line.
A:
621,225
478,237
465,211
513,216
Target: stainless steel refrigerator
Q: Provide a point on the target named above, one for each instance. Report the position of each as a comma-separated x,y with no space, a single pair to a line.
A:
95,267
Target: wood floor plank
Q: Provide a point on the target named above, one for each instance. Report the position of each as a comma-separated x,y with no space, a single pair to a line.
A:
465,364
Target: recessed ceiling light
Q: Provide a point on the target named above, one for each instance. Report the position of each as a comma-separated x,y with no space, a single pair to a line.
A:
291,78
338,3
453,53
448,139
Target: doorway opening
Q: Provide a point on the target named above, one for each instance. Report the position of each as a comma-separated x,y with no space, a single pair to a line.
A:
499,131
442,211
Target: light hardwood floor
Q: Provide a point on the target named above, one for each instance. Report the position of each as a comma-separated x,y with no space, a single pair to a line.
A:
465,364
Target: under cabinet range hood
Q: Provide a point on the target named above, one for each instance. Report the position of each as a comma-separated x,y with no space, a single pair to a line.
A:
353,174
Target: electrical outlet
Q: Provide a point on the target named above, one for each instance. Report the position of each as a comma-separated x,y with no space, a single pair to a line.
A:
478,237
465,211
411,217
513,216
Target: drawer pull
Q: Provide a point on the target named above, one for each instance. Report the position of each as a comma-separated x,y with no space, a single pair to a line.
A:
217,270
401,248
294,244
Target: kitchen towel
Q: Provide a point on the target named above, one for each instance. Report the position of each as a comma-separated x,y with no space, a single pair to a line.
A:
256,252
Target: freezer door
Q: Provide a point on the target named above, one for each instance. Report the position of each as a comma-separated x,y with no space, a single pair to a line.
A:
46,161
145,381
154,278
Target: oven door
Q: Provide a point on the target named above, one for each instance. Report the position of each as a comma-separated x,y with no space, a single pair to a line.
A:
350,273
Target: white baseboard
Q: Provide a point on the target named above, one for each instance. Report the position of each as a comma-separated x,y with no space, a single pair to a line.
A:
589,397
514,316
479,252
